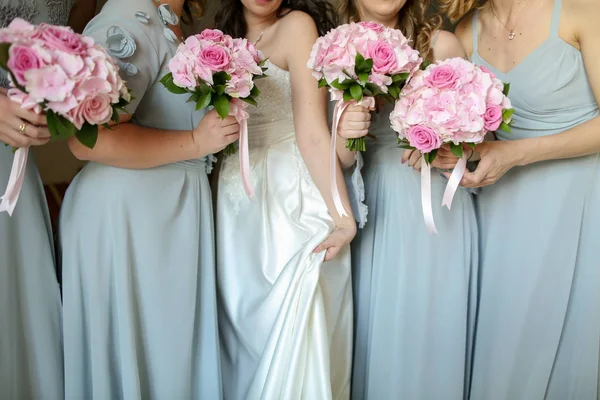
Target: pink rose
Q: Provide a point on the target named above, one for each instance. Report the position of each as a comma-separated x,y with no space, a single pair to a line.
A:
95,109
255,53
72,64
50,83
212,35
62,38
423,138
383,55
372,26
217,58
21,59
492,117
442,77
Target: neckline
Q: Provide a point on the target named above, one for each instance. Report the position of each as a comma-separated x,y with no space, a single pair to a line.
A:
277,66
519,64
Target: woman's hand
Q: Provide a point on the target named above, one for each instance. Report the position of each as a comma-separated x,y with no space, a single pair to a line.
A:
213,134
497,158
355,122
337,240
445,158
21,128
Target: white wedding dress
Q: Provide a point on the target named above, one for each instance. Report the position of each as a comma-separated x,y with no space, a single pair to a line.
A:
285,316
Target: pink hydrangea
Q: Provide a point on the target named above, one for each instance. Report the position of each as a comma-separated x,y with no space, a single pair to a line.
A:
58,70
455,99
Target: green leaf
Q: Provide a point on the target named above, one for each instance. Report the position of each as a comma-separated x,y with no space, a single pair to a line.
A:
457,149
504,127
58,126
367,92
394,92
425,64
221,78
472,145
193,98
115,116
263,62
322,83
250,100
361,65
507,114
373,88
356,92
506,89
429,157
347,96
359,60
255,92
203,101
168,83
219,89
259,77
405,146
4,47
204,88
400,77
341,86
88,135
221,104
363,78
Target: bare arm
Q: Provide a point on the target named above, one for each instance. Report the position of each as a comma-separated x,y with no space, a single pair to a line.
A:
132,146
81,13
310,114
583,139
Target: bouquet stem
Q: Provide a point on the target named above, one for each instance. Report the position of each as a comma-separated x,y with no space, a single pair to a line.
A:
231,149
357,144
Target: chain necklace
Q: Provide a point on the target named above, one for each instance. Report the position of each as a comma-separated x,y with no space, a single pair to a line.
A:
511,32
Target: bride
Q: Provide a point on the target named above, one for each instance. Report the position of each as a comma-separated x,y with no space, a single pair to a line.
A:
283,259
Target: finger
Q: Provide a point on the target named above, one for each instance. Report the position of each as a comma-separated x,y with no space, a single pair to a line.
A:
406,155
327,243
356,108
29,116
229,121
414,158
231,138
39,132
230,129
332,253
358,125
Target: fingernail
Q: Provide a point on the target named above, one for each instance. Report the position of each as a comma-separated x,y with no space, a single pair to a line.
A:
403,161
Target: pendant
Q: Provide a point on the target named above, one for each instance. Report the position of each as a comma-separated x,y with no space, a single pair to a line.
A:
511,35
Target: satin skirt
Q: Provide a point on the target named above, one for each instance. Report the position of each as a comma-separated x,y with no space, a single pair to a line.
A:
538,329
415,293
140,317
30,310
285,316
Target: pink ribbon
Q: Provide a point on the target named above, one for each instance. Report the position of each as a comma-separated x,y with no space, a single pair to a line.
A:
238,111
15,181
340,106
426,197
454,181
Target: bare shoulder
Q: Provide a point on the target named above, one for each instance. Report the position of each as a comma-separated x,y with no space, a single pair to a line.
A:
297,24
576,14
464,33
447,46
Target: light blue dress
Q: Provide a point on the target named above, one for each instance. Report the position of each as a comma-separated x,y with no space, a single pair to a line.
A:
538,328
30,325
414,292
138,254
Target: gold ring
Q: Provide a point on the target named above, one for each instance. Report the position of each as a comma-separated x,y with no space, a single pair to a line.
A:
22,128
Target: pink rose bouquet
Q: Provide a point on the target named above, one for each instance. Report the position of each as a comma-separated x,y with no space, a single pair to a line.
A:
219,71
449,102
64,75
357,62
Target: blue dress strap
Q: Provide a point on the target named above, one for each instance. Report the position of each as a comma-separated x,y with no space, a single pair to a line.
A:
434,38
554,25
474,30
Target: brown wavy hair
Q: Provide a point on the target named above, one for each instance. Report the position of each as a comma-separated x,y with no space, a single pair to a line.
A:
455,10
414,21
230,17
192,9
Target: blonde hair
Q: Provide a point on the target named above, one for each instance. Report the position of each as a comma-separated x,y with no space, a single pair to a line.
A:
413,20
455,10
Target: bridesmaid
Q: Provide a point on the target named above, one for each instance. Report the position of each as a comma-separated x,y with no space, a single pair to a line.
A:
538,329
414,292
30,326
137,229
